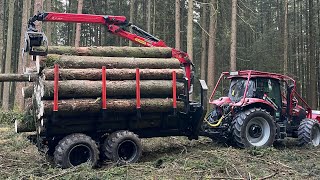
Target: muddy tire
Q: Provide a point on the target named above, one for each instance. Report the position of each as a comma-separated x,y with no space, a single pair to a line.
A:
253,128
76,149
309,132
123,147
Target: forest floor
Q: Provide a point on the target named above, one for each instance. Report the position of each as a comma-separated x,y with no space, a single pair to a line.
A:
167,158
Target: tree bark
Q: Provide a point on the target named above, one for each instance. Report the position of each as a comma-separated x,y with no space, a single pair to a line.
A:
312,55
83,62
110,51
190,29
177,25
75,106
17,78
6,87
149,16
48,25
211,46
285,39
2,30
78,27
92,89
38,7
204,36
132,5
19,101
113,74
233,48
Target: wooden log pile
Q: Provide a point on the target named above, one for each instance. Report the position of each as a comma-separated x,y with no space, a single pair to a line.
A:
80,81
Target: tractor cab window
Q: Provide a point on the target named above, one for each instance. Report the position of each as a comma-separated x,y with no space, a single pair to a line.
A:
238,87
269,89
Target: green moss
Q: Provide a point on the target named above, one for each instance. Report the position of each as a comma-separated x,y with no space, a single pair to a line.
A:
51,60
8,117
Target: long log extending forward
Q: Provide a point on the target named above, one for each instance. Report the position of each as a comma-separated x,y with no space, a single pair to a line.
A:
82,62
18,77
113,74
142,52
67,107
92,89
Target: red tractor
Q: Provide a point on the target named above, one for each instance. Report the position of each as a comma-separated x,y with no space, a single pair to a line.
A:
260,108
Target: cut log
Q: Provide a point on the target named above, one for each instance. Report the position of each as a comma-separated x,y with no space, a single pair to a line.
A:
113,74
82,62
75,106
110,51
123,89
18,77
21,127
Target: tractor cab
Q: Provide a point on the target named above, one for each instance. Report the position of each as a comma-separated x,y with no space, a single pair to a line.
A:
257,109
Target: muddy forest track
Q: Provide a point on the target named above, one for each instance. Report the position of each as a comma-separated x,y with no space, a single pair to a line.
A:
168,158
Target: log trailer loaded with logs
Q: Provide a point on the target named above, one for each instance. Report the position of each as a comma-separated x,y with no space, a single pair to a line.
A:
89,103
259,109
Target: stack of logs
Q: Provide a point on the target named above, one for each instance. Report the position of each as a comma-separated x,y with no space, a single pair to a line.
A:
80,81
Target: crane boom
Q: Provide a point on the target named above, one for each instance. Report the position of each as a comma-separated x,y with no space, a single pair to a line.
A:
115,24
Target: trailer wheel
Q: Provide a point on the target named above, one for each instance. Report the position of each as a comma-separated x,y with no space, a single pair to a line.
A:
123,147
76,149
309,132
254,128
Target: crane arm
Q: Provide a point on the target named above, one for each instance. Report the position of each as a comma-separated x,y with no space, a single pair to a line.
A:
115,24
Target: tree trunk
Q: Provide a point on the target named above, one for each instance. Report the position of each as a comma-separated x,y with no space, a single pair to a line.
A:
92,89
38,7
48,25
2,30
78,27
285,39
177,25
312,55
132,15
233,48
149,16
204,36
75,106
6,87
110,51
83,62
190,29
211,46
19,101
17,78
113,74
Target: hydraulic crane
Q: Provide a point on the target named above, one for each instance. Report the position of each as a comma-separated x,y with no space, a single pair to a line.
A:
115,24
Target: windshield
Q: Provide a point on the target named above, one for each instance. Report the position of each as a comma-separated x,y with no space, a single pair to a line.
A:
237,88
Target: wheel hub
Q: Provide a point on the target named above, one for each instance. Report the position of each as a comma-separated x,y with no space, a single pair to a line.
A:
315,133
255,131
79,154
127,150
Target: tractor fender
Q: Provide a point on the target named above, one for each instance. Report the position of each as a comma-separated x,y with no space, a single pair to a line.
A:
221,101
255,102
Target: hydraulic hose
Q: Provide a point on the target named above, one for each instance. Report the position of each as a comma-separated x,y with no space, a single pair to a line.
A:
214,125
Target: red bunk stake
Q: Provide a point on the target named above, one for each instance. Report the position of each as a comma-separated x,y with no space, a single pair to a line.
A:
56,87
174,90
104,88
138,88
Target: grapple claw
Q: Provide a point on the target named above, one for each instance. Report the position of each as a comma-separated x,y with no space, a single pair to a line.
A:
36,43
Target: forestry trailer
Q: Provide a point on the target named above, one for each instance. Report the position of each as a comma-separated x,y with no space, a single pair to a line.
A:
258,109
88,107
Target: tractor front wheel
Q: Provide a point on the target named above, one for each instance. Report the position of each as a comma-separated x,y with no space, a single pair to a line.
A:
254,128
309,132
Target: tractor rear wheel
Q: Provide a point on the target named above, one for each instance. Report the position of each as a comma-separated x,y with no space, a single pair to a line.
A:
309,132
254,128
76,149
122,147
